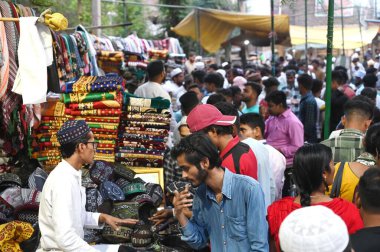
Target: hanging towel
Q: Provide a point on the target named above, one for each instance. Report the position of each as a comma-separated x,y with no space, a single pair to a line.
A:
35,54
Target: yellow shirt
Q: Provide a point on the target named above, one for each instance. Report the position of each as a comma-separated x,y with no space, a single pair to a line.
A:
349,183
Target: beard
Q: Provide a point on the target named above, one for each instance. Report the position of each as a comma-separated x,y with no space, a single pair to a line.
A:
200,178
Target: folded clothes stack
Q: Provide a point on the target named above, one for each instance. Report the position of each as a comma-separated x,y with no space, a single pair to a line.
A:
143,131
44,145
110,62
97,100
158,54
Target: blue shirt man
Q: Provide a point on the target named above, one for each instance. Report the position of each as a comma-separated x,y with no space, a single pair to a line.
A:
228,209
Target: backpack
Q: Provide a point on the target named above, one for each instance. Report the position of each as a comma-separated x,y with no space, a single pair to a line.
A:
237,151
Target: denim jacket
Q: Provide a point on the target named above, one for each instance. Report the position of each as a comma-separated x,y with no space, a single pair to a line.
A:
237,223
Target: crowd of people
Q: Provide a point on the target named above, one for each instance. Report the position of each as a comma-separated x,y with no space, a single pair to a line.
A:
251,145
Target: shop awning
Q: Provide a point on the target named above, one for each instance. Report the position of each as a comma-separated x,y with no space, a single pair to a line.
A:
318,35
215,26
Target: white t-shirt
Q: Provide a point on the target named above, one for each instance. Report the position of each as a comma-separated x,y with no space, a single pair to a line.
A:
151,90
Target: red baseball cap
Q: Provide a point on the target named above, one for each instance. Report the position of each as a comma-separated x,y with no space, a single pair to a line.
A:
205,115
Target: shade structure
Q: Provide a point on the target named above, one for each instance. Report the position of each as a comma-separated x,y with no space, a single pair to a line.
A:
215,26
318,35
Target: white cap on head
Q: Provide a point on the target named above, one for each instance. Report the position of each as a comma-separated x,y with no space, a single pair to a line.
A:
313,229
175,72
224,64
199,65
357,50
198,58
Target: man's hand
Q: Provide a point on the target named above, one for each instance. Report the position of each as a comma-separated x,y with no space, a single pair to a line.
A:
161,216
116,222
181,201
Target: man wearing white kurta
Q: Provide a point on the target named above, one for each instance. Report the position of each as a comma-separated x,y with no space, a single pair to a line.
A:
62,215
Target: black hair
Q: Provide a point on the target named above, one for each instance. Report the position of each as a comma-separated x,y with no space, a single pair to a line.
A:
188,100
371,70
372,139
237,71
226,92
215,78
291,72
219,130
359,106
215,98
193,86
271,82
188,81
315,61
253,120
154,69
339,76
196,148
369,190
255,86
229,109
277,97
317,86
198,75
369,80
310,161
235,90
67,150
213,66
306,81
340,68
369,92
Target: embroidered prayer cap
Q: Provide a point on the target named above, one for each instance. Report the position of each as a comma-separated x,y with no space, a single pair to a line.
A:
142,236
93,199
110,190
313,228
122,235
72,130
87,182
134,188
205,115
27,213
124,172
92,235
9,180
126,210
155,192
121,182
101,171
37,179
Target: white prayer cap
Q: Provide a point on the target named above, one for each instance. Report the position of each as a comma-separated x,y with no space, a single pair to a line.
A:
313,229
175,72
198,58
199,65
357,50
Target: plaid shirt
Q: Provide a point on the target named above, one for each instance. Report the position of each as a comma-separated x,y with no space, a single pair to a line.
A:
172,171
347,146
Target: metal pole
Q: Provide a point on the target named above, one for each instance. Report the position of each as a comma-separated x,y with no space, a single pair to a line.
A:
272,38
330,31
198,30
341,18
306,44
96,15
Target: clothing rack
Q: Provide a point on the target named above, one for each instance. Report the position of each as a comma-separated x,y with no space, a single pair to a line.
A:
41,19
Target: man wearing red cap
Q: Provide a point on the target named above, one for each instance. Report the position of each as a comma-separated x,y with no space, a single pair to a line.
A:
236,156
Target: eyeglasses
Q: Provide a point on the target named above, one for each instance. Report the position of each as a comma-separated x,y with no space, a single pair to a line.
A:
94,144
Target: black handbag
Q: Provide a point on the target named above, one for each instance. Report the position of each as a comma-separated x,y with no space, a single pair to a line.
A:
335,190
